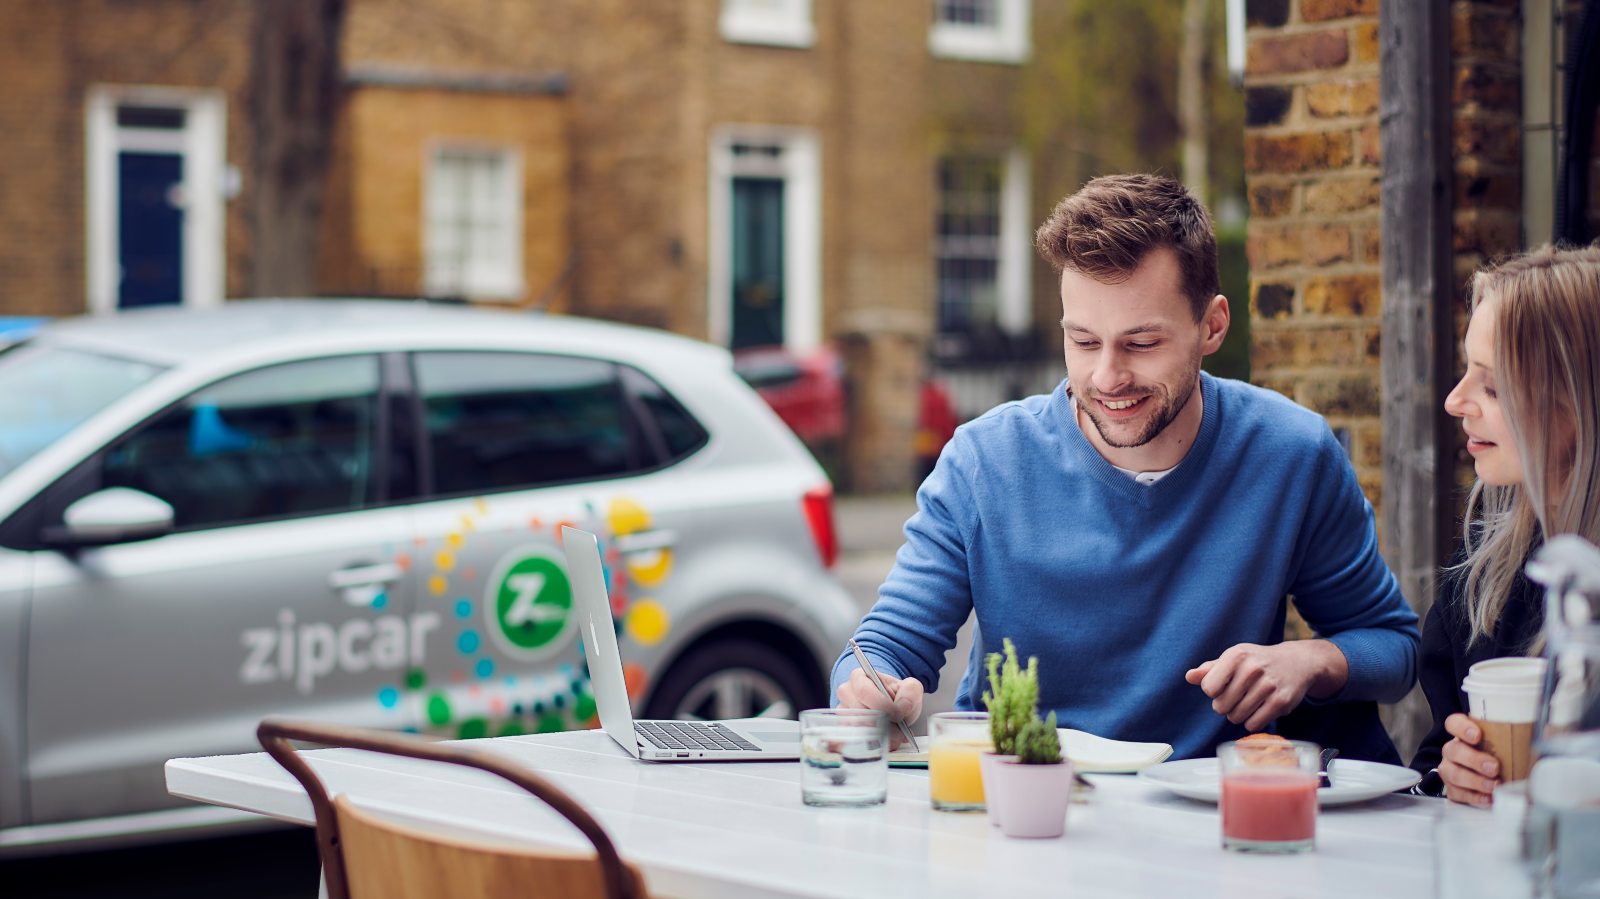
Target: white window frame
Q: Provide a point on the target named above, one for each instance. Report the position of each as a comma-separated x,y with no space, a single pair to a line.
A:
1015,315
510,284
1013,269
1005,41
800,167
202,142
778,23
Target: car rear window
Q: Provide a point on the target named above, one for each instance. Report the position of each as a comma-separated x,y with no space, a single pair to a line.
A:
499,421
46,391
680,433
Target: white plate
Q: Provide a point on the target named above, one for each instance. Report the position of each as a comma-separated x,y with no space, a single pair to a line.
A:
1352,781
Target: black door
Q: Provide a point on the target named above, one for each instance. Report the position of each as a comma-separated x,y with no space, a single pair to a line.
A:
149,229
757,262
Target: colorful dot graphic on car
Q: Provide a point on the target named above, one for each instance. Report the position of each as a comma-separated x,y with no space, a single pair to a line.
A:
644,620
523,619
648,568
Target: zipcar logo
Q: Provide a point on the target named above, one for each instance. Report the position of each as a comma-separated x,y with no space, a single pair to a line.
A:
528,603
304,652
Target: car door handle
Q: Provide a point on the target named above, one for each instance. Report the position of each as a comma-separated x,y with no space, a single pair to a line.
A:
645,541
364,576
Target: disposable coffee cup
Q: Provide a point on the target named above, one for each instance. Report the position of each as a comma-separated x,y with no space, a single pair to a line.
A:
1514,670
1503,698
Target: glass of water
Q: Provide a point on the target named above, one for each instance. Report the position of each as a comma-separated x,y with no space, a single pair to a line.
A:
844,757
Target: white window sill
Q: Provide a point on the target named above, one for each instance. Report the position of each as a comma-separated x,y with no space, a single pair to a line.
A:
489,293
769,32
977,43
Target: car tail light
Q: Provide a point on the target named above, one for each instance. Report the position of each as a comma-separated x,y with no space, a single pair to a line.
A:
819,515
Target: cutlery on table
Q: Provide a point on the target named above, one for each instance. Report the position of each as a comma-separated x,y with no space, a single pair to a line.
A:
1328,755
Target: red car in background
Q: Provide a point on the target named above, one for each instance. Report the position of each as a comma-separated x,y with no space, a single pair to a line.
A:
936,424
808,392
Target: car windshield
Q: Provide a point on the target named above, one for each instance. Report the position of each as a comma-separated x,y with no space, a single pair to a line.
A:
46,391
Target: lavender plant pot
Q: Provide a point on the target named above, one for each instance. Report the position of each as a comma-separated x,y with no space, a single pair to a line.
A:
1034,798
986,765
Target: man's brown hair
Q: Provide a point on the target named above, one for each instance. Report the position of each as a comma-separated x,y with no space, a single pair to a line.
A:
1106,229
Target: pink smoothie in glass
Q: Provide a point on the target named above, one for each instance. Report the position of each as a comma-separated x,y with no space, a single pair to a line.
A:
1269,806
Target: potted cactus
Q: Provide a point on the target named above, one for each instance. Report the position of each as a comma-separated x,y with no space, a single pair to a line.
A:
1035,788
1012,700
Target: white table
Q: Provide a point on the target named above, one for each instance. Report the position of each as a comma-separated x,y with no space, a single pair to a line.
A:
740,830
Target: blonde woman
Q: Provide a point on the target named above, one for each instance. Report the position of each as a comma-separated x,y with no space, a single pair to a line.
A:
1530,405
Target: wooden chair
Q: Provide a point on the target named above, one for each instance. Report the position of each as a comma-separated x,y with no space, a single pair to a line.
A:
367,857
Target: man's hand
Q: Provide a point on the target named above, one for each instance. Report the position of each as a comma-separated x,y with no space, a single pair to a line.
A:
1470,774
860,693
1253,685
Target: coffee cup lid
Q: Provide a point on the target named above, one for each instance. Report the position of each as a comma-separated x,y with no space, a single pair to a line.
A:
1474,684
1508,668
1510,703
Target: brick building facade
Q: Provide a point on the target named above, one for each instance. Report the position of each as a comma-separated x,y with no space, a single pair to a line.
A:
675,110
1315,171
1317,179
400,135
876,147
87,78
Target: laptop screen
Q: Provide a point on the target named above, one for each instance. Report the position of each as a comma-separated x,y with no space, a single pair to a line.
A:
599,635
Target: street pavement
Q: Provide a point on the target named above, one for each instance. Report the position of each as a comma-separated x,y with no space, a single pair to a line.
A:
281,864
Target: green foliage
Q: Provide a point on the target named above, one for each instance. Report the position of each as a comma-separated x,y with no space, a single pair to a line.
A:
1233,270
1100,95
1038,743
1012,697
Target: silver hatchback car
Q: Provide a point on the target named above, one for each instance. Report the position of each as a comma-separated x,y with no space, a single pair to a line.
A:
349,510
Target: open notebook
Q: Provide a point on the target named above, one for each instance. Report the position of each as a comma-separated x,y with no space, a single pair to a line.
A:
1089,754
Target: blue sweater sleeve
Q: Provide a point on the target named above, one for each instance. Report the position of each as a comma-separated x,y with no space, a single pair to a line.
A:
1344,589
927,596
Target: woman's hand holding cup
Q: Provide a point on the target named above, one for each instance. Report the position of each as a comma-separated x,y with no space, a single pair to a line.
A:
1470,774
1494,744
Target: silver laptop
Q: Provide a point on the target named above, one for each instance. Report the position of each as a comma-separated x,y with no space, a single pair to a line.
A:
750,739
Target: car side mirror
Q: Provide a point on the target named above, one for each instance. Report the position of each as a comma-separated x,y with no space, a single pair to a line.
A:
112,515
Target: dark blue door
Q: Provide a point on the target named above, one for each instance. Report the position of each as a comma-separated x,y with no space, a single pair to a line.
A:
149,229
757,262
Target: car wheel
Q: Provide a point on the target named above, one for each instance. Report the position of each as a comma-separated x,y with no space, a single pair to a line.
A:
732,679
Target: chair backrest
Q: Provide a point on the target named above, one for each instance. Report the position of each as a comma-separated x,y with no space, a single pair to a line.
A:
364,855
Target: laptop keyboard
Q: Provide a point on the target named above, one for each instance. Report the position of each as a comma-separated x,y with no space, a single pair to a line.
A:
691,735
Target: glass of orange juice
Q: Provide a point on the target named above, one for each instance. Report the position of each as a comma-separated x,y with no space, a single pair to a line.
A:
956,739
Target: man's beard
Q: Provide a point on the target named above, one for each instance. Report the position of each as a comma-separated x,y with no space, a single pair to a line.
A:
1164,410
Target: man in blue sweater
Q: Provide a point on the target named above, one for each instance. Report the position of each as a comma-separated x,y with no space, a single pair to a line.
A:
1139,528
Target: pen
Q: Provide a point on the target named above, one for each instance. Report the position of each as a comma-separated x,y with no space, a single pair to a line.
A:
861,658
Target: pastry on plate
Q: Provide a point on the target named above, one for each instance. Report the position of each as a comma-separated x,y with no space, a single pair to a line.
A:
1266,750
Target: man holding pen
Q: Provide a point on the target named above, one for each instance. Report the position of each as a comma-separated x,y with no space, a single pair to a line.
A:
1139,528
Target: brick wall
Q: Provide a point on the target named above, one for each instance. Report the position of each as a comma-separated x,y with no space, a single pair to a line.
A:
1486,148
1311,161
1486,80
628,175
881,225
648,85
40,179
1313,164
372,223
51,53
